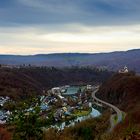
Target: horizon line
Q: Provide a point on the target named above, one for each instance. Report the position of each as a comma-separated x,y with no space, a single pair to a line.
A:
68,53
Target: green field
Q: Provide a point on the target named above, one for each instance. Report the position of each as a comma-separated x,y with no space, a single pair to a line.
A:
80,113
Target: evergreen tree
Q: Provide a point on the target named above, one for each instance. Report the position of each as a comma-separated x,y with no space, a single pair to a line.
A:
27,125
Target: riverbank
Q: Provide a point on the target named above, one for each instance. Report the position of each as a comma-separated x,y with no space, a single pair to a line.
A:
92,128
61,125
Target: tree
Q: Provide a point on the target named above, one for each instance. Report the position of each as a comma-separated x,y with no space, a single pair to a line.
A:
27,125
9,105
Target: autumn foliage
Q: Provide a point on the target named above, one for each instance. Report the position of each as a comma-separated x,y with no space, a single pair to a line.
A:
4,134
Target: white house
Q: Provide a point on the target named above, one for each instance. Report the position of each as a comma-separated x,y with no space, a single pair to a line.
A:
124,70
89,87
56,90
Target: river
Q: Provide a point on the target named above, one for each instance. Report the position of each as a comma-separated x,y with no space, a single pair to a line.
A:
94,113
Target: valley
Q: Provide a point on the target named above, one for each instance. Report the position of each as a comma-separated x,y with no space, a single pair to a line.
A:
66,107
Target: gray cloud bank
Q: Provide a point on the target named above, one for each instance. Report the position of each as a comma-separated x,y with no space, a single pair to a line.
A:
97,12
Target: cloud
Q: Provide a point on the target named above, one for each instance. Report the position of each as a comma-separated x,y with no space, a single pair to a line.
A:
31,3
89,12
46,26
53,6
84,39
125,4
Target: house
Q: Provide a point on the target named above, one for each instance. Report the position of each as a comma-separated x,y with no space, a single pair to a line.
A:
3,117
89,87
124,70
58,114
44,107
3,100
61,97
56,90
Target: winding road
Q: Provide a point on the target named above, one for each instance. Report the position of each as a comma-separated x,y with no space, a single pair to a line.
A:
117,110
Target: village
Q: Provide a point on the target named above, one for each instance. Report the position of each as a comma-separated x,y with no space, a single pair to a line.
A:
68,102
3,113
57,104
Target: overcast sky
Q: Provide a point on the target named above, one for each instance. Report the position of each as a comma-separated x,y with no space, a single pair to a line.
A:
57,26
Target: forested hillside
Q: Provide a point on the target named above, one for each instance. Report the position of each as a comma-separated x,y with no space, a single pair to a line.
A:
33,80
123,90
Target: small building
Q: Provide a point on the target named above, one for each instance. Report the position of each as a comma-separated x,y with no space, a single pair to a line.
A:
56,90
90,104
124,70
44,107
3,117
89,87
61,97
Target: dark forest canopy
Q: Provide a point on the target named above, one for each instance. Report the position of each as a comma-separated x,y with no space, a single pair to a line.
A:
20,82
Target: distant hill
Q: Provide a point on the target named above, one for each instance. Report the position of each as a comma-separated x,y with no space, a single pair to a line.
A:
112,61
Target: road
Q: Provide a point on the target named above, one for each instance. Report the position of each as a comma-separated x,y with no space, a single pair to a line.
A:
117,110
